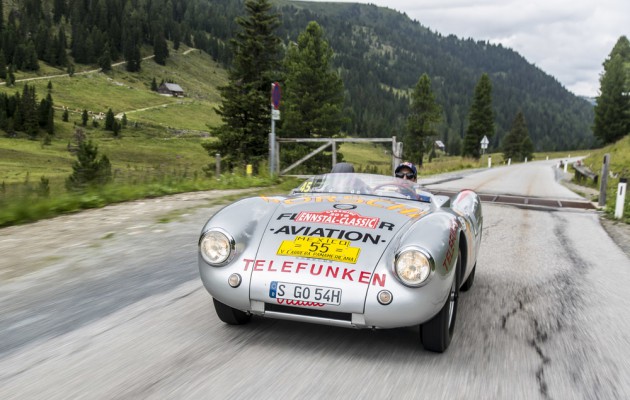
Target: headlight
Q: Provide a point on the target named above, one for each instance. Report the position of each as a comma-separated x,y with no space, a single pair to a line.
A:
413,267
216,247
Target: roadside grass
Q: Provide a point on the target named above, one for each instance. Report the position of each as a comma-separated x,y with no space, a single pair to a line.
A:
619,167
31,205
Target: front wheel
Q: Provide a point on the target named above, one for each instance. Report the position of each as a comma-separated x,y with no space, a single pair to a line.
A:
436,334
230,315
469,282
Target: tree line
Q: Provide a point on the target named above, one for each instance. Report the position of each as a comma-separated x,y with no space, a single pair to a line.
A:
612,112
379,54
22,113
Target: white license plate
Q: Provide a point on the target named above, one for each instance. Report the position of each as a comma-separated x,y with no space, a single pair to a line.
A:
300,292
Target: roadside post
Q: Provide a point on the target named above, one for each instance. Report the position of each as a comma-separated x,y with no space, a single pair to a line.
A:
217,165
489,161
566,165
621,197
275,116
484,144
604,181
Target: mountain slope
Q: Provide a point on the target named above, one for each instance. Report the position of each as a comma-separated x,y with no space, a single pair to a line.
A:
382,53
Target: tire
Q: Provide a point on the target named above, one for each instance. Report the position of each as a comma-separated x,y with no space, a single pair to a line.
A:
469,282
436,334
230,315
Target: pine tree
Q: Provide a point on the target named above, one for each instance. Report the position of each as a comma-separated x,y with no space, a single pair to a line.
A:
243,137
62,44
87,170
424,114
313,93
132,37
11,76
154,86
105,60
65,116
3,66
612,112
29,109
160,49
517,144
110,120
84,117
481,118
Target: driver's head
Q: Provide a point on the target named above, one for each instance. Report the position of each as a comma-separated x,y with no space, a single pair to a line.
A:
406,170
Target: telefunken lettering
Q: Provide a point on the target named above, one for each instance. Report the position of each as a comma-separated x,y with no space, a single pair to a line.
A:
328,271
452,237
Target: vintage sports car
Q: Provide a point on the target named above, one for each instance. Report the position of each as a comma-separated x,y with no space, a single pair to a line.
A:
345,249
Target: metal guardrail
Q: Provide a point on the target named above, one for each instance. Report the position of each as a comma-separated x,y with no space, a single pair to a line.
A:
525,201
583,172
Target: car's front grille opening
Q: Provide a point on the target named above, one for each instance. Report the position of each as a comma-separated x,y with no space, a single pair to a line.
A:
311,312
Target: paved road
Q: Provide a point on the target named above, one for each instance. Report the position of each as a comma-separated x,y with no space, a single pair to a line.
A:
107,304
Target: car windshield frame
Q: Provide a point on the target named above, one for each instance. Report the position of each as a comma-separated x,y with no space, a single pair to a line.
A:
364,184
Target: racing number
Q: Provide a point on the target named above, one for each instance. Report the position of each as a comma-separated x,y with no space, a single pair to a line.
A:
319,247
306,186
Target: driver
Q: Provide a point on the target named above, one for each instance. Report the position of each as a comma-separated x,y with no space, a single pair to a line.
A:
406,170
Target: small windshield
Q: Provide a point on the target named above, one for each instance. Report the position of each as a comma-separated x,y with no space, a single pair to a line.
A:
364,184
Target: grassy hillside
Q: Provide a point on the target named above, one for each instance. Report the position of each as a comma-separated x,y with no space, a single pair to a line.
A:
619,168
162,133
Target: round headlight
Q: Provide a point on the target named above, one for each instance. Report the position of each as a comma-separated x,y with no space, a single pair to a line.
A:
216,247
413,267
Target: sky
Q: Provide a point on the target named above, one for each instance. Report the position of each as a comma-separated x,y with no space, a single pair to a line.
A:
567,39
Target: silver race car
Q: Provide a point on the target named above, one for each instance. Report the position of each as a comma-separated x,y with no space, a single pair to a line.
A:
345,249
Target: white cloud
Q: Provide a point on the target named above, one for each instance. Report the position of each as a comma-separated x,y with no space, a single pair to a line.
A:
568,39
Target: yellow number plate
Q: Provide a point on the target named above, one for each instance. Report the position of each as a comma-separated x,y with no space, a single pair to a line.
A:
320,247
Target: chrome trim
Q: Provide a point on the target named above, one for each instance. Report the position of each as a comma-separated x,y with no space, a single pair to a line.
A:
231,240
425,253
308,318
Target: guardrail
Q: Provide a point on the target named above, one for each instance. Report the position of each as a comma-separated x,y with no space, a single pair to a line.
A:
583,172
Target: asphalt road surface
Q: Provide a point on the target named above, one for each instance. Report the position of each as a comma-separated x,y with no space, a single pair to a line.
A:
107,304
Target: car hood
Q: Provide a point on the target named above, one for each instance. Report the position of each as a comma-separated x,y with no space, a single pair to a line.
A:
331,241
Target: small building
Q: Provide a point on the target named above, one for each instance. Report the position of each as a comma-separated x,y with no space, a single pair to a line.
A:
171,89
439,145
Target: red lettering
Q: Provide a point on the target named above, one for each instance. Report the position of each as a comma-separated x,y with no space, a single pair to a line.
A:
258,265
286,266
247,262
364,277
300,303
332,271
378,279
270,269
300,266
347,273
318,271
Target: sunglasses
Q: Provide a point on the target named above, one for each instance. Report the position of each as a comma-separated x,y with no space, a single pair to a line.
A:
409,175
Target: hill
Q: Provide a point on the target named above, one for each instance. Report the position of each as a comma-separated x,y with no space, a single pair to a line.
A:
619,167
380,54
163,132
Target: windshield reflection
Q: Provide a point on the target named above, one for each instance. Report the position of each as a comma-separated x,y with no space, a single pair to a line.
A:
364,184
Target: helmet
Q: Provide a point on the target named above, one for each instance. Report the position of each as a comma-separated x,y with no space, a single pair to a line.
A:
409,165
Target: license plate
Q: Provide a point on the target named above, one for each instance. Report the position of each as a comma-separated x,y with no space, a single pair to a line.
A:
305,293
321,248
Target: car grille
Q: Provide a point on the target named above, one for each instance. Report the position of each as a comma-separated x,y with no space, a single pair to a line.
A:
311,312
